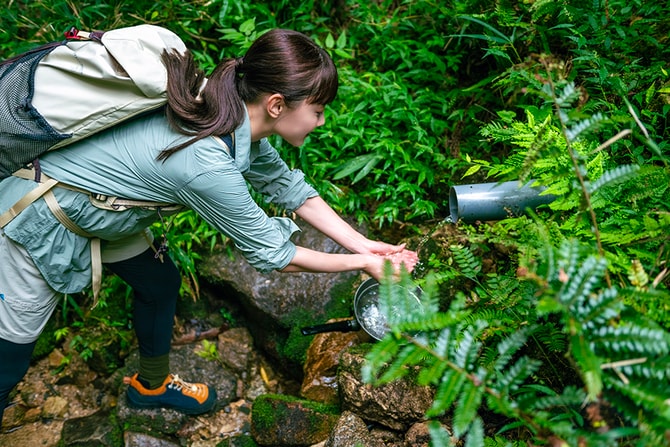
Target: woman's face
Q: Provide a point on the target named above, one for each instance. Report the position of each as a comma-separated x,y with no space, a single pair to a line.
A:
294,124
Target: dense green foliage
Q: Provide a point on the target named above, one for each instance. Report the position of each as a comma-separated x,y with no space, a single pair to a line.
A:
556,322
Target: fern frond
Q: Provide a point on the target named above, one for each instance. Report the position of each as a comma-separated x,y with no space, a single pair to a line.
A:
498,130
400,305
505,286
468,347
439,321
379,355
568,96
622,237
509,346
475,437
469,265
466,409
589,365
636,275
409,355
497,317
439,436
635,341
537,399
544,8
551,337
516,374
432,374
584,281
540,142
637,402
599,309
443,342
567,260
447,391
584,125
657,370
619,174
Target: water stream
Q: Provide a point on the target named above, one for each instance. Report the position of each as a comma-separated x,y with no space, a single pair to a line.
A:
421,267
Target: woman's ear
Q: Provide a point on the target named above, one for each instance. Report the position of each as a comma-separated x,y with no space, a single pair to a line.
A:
275,105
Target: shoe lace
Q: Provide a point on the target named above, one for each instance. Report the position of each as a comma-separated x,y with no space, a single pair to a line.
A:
179,384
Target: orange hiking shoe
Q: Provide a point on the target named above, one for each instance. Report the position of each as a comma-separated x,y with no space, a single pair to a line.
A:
188,398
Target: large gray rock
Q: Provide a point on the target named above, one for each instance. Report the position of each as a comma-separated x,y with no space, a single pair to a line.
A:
276,303
132,439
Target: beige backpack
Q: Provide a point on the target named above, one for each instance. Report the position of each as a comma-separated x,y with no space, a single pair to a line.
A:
64,91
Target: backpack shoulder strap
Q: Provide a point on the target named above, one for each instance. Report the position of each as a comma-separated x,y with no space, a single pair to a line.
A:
26,200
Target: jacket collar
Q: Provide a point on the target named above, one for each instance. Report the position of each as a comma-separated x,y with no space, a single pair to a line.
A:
243,143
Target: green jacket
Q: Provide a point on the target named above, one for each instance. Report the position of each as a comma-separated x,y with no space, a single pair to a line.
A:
122,162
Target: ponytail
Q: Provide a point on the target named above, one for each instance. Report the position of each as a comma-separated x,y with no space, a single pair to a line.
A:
197,106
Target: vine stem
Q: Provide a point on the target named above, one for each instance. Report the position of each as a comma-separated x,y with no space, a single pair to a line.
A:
578,173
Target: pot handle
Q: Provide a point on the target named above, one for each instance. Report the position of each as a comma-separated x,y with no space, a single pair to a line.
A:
337,326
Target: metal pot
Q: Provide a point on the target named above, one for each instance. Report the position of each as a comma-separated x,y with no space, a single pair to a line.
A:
366,311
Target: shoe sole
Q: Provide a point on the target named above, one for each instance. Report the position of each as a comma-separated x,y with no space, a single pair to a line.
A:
147,406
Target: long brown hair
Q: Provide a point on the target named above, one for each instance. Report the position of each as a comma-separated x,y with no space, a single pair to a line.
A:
280,61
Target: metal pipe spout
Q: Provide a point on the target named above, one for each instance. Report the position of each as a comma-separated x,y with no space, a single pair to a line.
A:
494,201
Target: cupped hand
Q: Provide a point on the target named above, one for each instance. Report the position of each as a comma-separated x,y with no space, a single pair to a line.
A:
379,248
404,258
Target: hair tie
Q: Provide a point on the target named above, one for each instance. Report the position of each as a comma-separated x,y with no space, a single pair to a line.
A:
238,64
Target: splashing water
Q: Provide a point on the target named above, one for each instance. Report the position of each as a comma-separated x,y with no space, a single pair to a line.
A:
421,266
373,320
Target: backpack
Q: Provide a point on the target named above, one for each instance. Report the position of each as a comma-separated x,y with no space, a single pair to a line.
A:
61,92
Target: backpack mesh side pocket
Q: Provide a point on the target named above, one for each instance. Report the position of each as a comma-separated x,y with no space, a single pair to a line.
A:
24,133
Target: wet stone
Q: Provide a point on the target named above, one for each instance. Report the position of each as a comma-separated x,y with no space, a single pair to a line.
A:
236,349
351,430
322,359
396,405
133,439
54,407
96,430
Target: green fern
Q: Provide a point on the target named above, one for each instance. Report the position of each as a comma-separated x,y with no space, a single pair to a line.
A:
470,266
468,404
616,175
590,123
566,98
622,360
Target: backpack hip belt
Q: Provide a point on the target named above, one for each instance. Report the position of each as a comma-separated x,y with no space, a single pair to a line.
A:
110,203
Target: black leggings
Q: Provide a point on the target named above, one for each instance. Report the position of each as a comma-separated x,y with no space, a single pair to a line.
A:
156,288
12,368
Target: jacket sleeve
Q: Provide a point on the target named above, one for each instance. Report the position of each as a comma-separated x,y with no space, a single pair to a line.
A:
221,197
269,175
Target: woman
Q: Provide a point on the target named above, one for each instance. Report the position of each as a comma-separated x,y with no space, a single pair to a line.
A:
175,156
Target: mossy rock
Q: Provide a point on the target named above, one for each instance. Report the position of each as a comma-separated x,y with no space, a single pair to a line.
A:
294,346
278,419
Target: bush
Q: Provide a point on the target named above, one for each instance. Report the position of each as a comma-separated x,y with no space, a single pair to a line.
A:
558,320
